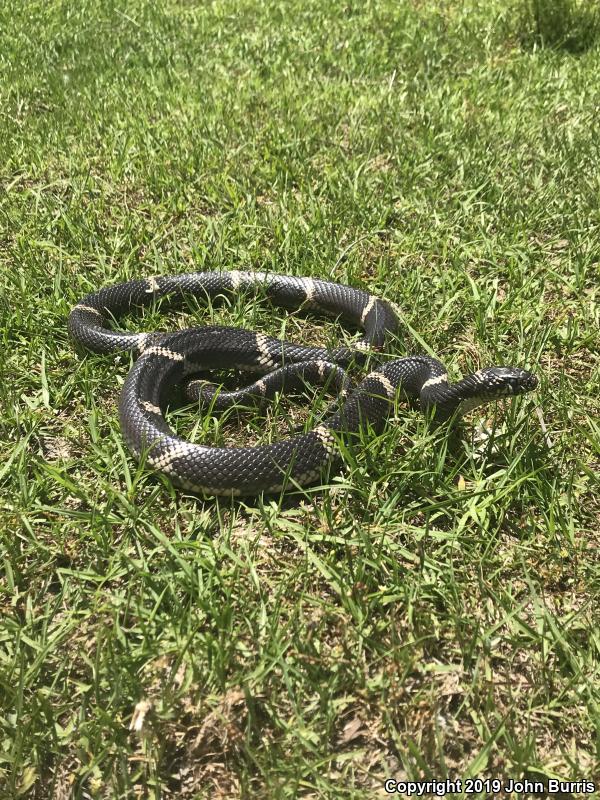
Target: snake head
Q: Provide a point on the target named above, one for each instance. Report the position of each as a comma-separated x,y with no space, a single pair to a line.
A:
485,386
504,381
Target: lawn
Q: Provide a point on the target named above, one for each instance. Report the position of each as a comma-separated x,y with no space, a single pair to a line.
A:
432,610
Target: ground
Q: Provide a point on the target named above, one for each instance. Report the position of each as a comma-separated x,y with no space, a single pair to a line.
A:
431,611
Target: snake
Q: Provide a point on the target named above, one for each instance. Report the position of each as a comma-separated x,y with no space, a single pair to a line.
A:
165,359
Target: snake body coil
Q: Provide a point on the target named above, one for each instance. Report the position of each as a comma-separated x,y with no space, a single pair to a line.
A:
165,359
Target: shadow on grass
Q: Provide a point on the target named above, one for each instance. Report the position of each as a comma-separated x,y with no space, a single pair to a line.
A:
571,26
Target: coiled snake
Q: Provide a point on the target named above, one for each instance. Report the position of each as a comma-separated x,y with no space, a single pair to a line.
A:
164,359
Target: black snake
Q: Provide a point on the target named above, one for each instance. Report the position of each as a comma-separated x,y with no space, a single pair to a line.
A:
164,359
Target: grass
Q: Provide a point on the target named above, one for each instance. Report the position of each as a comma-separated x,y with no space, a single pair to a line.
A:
433,610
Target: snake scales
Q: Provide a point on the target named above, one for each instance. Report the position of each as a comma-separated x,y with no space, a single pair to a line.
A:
165,359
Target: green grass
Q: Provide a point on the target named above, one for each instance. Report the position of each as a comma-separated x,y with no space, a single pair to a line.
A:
433,611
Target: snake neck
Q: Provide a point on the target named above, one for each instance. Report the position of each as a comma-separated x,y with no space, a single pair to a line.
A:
450,399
